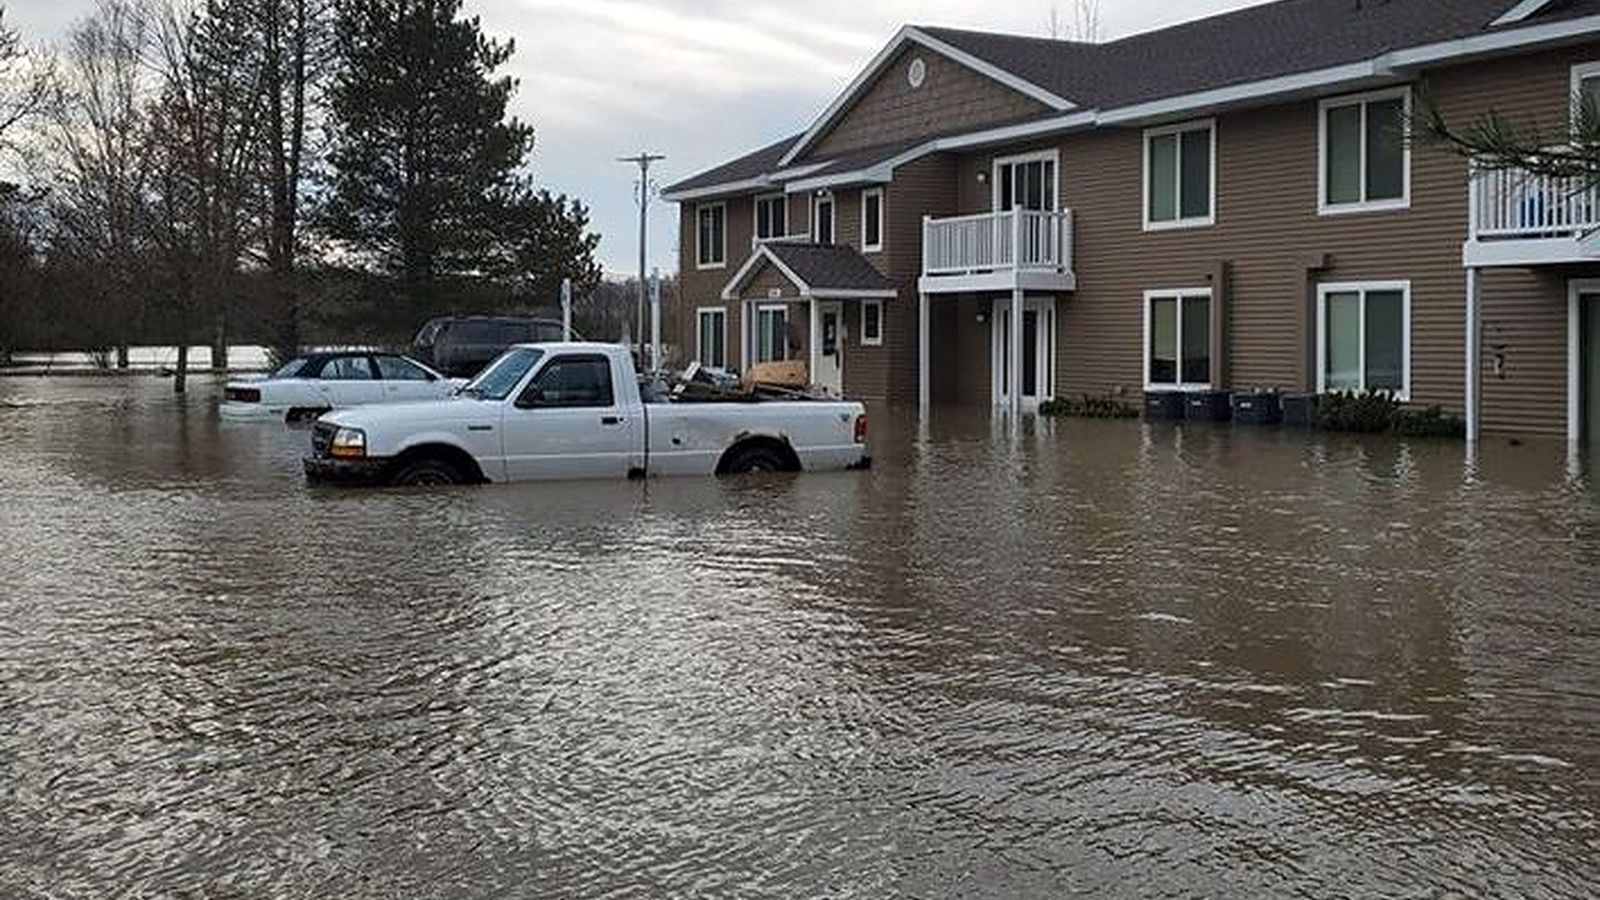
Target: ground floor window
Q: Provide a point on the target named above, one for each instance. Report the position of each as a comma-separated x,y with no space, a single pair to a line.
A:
772,333
1177,339
1364,337
711,347
871,323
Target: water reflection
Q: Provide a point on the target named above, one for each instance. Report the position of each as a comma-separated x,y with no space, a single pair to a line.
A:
1116,658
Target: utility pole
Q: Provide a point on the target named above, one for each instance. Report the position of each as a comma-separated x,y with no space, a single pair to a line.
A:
643,161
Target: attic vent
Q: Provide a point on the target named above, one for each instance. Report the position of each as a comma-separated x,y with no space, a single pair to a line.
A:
917,73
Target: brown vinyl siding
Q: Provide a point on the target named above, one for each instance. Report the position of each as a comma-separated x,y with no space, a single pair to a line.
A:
952,98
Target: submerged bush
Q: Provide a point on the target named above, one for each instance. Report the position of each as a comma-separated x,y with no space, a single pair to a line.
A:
1089,407
1381,413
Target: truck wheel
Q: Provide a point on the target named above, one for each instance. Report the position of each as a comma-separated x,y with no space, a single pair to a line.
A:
426,473
755,459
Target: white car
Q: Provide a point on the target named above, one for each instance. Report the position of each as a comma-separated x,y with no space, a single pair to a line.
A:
554,411
310,385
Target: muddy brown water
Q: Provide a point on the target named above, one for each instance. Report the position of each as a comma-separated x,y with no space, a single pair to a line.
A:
1099,658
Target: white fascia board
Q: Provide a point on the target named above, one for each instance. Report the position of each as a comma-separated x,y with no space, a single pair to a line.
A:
853,294
1496,41
1368,70
1521,11
908,34
717,190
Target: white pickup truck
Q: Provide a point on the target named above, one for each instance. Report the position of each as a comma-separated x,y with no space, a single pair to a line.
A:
561,411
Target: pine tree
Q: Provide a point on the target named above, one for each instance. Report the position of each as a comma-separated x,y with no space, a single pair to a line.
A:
423,156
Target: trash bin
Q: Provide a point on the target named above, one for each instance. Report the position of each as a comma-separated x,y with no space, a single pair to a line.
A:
1257,407
1163,405
1207,406
1300,410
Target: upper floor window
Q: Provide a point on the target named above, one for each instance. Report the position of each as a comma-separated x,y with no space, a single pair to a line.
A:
822,219
1180,184
872,220
1027,181
1364,337
872,323
1585,89
772,217
1366,163
711,236
1177,339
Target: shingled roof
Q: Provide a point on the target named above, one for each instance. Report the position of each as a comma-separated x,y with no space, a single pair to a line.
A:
817,270
1254,44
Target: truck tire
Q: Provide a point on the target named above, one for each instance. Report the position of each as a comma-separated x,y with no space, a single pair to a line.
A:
755,458
426,472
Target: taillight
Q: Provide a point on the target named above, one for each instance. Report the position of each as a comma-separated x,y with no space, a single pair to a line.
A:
861,429
243,395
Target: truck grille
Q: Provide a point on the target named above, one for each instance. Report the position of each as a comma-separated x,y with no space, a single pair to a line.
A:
322,439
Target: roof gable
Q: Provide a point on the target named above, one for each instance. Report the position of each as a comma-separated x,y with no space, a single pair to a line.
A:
890,54
817,271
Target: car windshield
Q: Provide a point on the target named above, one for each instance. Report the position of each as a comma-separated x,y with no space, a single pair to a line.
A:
504,374
290,369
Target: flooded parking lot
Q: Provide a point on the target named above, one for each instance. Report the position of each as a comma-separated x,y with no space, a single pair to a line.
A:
1105,658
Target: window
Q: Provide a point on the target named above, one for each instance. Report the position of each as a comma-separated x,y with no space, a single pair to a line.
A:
772,333
1180,168
1366,163
872,220
772,217
398,368
711,341
574,381
1028,181
347,368
711,236
1364,338
1177,344
872,323
1585,89
822,220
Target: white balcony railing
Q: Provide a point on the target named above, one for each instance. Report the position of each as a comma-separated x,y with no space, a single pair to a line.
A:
1019,239
1515,204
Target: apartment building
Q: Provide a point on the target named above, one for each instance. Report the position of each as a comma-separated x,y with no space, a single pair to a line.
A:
1225,204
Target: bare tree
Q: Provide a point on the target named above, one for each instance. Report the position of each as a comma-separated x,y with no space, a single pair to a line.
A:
1084,25
26,82
98,145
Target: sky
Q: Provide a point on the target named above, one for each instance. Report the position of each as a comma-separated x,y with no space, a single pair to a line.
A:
699,81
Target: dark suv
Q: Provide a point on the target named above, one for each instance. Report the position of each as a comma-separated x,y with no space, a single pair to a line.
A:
460,346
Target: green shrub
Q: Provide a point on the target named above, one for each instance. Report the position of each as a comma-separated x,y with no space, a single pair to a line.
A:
1430,422
1088,407
1375,413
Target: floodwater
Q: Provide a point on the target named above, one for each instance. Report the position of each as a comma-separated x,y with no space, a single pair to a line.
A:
1098,658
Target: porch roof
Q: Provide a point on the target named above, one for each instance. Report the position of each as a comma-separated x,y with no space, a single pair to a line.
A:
818,271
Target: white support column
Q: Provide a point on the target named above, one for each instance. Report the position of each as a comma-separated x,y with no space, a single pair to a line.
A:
1474,361
924,389
1015,339
814,343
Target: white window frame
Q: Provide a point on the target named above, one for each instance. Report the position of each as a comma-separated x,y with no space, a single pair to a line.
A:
1177,294
755,331
755,213
699,333
1051,155
866,247
1360,206
867,341
1580,73
833,217
700,251
1181,128
1365,287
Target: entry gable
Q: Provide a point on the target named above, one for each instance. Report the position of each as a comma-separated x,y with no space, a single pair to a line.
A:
920,86
810,271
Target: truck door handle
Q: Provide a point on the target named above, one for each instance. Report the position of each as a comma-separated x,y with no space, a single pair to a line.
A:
610,420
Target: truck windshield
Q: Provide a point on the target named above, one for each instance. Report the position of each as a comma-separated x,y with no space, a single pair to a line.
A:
504,374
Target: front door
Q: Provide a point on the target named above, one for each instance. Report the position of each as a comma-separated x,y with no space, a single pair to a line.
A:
1038,351
568,424
1589,369
829,344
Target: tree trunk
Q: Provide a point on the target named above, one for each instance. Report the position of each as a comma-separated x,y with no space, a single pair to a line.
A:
122,356
180,377
219,346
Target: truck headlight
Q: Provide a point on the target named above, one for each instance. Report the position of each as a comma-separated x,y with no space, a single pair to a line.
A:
349,442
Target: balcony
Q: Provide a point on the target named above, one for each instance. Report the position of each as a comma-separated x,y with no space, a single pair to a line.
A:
1521,218
1019,249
